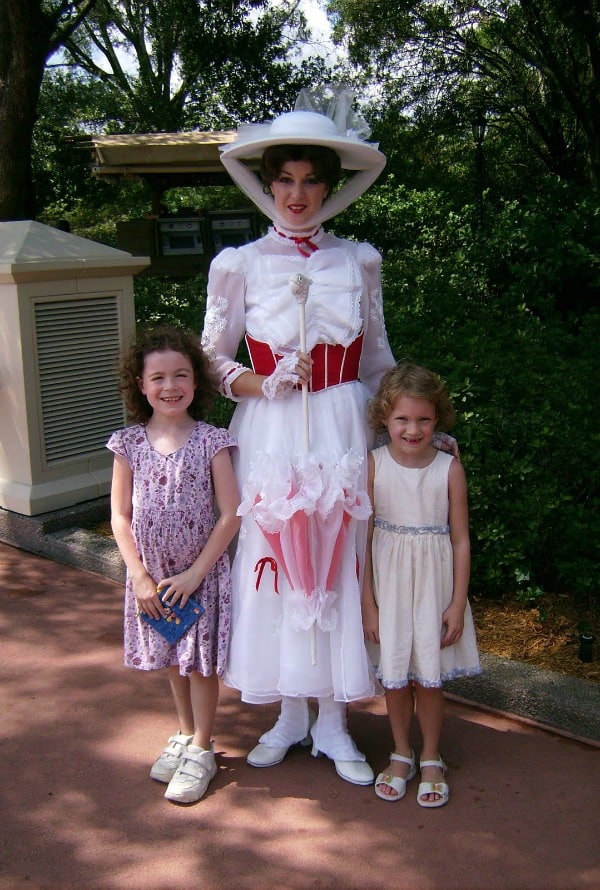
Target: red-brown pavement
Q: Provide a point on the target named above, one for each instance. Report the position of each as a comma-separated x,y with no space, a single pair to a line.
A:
79,732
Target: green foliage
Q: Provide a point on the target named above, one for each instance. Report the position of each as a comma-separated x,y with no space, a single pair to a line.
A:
179,302
187,64
441,63
61,171
482,312
95,214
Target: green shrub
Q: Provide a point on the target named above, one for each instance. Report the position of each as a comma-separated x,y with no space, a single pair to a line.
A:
180,302
522,372
176,301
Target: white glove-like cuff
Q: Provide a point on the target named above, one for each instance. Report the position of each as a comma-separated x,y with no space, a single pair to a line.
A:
283,378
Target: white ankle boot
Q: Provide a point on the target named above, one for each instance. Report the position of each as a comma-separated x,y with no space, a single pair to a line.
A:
292,726
331,737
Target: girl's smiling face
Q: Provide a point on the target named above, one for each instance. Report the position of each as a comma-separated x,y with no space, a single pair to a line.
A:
298,196
168,382
411,426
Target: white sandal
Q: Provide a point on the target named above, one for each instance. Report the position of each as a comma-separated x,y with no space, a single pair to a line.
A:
440,788
396,782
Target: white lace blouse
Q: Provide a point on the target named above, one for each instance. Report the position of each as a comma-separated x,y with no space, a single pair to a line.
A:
248,292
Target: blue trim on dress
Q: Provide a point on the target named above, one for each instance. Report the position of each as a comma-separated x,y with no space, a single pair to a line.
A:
411,529
428,684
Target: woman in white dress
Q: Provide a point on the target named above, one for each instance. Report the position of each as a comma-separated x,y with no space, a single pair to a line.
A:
302,155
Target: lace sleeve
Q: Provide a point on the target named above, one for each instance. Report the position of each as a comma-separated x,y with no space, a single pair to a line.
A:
225,319
376,354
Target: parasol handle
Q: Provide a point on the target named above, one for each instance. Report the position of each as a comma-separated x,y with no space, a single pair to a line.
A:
299,285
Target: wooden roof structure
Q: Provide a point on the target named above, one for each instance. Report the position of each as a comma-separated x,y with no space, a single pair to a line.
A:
146,153
163,160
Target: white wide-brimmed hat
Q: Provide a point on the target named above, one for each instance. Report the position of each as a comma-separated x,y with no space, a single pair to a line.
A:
338,127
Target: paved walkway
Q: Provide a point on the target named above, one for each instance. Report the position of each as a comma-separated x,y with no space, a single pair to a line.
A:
79,732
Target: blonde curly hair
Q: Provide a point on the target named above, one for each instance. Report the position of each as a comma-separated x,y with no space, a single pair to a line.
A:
417,382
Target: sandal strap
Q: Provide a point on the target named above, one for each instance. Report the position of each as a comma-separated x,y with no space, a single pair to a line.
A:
439,763
409,760
433,788
395,782
439,788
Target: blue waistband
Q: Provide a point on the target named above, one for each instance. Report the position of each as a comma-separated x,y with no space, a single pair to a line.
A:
411,529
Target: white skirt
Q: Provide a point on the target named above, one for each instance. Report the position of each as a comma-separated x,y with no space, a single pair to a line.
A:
413,580
269,656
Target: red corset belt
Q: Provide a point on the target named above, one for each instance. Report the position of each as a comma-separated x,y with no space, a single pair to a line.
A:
332,365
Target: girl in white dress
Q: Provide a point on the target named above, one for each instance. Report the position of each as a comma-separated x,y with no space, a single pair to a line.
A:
302,154
417,573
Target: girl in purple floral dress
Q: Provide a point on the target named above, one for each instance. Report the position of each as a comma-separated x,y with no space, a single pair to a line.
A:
174,500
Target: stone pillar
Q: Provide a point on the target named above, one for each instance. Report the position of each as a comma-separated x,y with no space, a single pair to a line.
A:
66,312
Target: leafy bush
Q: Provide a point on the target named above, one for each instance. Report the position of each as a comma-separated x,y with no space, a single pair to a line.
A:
180,301
483,312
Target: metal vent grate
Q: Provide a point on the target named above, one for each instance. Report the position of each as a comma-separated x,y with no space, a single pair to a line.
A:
77,344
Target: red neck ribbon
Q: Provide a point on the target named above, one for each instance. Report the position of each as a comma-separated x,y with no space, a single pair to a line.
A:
303,243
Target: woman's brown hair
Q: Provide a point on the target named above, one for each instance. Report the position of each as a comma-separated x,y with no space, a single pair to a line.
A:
325,162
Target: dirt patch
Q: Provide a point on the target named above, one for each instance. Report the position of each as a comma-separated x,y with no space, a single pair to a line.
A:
545,634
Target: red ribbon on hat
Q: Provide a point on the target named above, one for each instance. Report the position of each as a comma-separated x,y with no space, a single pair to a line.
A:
305,246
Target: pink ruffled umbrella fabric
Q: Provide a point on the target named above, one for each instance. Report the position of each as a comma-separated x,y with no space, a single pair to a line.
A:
304,510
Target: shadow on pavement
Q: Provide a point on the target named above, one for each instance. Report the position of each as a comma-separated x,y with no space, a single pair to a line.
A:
79,733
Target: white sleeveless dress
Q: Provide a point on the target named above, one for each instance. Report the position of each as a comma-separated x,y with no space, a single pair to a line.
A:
413,570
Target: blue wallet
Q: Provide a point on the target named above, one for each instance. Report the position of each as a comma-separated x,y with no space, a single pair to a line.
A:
178,619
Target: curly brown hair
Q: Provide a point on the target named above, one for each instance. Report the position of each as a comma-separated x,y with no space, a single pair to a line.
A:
161,339
417,382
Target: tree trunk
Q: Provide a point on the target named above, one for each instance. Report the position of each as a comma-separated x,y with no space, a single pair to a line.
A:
25,33
589,26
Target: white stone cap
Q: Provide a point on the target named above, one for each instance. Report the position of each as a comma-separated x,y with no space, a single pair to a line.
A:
30,250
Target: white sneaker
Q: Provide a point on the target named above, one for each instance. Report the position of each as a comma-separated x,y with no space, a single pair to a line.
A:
165,767
197,768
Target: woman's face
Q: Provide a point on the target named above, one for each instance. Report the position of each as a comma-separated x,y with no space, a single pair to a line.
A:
298,196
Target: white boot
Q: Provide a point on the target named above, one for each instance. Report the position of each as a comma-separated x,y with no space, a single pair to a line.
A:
331,737
292,726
